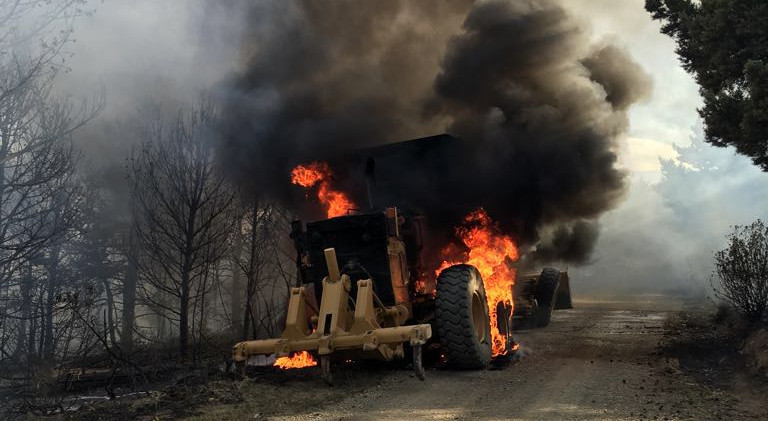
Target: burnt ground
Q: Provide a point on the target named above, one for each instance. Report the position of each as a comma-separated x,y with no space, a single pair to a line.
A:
710,351
610,360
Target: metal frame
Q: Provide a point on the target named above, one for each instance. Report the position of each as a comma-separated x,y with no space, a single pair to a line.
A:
337,328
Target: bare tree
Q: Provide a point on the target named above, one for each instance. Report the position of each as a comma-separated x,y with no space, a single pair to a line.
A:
181,211
111,241
266,259
742,268
38,204
33,34
237,289
101,257
253,261
129,303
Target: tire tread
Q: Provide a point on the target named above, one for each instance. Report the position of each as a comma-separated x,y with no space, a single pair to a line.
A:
453,319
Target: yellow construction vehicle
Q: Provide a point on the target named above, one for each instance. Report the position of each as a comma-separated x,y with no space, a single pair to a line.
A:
362,295
366,256
368,326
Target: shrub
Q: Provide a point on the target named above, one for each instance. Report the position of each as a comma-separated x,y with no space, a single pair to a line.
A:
742,270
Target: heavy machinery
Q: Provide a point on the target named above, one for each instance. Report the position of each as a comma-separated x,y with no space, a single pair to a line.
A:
537,295
375,258
361,276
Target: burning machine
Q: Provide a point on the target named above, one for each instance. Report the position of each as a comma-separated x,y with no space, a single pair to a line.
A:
400,301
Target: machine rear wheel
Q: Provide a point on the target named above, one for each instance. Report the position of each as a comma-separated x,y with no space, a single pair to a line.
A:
545,295
461,317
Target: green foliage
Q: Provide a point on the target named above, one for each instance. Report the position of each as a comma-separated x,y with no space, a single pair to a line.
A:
724,44
742,268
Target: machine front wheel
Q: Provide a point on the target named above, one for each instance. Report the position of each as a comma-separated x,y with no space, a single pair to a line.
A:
461,317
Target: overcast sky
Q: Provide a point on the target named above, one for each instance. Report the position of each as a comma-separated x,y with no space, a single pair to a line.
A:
670,116
663,236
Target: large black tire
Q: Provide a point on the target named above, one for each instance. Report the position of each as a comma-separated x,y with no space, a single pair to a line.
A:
546,287
461,317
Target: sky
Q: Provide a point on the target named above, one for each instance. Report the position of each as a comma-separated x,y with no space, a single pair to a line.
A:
175,48
669,116
663,236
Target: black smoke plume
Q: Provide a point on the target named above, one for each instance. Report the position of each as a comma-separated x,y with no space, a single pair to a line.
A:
538,107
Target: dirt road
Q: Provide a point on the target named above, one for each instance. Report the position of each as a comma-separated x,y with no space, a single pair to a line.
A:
596,362
649,359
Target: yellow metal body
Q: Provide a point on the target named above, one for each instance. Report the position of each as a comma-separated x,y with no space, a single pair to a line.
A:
371,326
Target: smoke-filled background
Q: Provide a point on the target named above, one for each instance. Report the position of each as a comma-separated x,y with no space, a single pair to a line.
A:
541,108
542,90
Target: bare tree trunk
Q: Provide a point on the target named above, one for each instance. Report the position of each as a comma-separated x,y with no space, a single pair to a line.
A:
42,326
53,281
249,318
110,311
200,302
26,311
184,315
236,297
129,306
48,321
36,344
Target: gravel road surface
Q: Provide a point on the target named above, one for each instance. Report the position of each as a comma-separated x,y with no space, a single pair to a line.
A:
599,361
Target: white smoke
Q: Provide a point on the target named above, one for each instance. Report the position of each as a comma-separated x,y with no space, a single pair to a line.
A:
662,239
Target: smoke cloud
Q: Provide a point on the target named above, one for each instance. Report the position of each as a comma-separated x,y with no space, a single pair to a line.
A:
662,239
538,107
149,59
324,78
153,57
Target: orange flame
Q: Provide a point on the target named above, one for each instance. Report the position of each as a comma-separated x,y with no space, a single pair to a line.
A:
336,203
298,360
424,285
489,251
